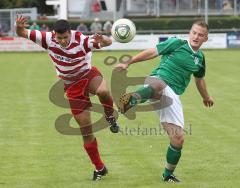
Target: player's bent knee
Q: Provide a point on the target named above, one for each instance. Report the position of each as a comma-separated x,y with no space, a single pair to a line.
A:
177,140
102,93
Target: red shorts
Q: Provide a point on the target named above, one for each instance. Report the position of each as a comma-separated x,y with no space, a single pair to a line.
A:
78,94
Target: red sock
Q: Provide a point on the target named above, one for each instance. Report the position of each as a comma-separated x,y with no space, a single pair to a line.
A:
108,105
92,151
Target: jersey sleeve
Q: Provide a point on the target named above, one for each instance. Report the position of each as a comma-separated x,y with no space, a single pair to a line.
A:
89,43
41,38
168,46
202,70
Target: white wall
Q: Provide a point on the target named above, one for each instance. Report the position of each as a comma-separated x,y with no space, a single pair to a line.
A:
76,5
140,42
110,4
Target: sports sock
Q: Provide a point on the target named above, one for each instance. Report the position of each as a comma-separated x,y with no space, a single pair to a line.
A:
173,156
92,151
107,103
141,95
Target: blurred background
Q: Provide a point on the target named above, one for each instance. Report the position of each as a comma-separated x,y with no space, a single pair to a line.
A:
150,16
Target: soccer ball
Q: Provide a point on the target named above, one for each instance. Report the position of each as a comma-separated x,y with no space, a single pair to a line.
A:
123,30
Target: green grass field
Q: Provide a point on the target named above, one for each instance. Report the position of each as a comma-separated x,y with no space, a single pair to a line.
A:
33,154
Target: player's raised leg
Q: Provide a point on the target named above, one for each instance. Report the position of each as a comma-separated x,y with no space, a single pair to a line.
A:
129,100
90,143
99,87
151,90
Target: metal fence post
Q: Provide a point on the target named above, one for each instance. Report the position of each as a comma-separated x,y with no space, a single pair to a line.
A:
206,11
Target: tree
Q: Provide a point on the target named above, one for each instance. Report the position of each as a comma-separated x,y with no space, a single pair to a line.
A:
41,5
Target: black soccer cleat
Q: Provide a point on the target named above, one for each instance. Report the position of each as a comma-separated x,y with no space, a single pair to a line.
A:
171,178
98,174
114,127
124,103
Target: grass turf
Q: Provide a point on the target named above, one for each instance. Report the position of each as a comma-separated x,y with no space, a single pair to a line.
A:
34,154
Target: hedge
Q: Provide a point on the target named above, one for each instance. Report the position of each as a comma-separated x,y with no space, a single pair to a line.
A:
170,23
186,22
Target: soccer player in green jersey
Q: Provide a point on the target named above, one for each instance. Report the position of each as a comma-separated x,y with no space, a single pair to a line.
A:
180,59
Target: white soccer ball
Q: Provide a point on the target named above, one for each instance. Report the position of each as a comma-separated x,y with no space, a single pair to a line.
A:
123,30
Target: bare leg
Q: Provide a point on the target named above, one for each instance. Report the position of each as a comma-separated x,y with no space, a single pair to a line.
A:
90,142
99,87
176,136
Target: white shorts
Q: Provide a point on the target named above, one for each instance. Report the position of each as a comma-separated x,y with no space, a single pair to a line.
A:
174,112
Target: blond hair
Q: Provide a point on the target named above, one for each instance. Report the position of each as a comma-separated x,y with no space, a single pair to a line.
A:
202,24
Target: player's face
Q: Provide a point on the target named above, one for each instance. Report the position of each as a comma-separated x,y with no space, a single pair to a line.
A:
63,39
197,36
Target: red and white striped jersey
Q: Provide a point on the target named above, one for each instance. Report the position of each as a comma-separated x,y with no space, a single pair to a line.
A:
72,62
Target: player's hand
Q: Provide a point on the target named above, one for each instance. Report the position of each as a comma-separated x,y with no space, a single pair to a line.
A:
98,38
208,102
21,22
121,66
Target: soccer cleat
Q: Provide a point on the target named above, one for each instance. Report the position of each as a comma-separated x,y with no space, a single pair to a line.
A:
170,178
114,127
98,174
124,103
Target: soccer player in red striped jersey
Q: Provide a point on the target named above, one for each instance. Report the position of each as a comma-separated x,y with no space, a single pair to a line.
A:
70,52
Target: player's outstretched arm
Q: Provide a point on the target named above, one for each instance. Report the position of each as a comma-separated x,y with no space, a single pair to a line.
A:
21,24
102,39
202,88
142,56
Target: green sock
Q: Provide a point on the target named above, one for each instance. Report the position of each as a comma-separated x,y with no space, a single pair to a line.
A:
142,95
167,172
173,156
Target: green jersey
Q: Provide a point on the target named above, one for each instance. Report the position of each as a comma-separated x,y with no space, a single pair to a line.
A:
178,63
